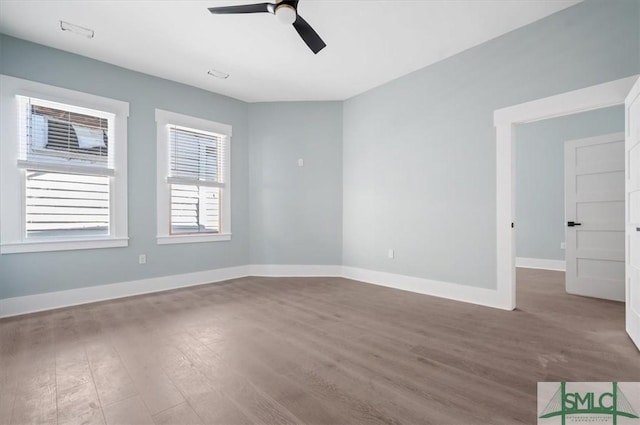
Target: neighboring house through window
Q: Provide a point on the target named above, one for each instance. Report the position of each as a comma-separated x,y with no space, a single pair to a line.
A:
193,190
63,169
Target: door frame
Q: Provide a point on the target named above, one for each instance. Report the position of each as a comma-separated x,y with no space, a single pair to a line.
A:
587,99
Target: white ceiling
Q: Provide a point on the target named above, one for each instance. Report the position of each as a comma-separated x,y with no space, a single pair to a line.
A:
368,42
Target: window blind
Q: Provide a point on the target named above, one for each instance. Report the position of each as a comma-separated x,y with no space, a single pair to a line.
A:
60,204
59,137
195,209
196,157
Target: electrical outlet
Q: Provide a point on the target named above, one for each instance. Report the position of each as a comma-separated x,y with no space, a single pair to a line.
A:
142,259
563,245
391,253
300,162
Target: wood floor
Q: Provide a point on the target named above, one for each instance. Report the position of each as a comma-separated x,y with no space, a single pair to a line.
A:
307,350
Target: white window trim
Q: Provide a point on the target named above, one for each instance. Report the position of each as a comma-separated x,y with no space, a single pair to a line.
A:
59,245
12,230
164,119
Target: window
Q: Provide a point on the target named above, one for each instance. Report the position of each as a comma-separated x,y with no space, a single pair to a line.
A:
63,169
193,190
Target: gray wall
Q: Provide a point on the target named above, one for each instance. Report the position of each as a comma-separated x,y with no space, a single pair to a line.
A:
419,152
412,169
296,212
24,274
539,182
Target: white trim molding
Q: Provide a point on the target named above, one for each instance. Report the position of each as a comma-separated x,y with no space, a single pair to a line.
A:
587,99
12,175
194,238
541,263
59,299
277,270
569,103
63,245
163,193
451,291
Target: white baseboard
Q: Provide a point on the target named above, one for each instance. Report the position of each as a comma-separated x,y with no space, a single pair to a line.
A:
59,299
52,300
541,263
452,291
277,270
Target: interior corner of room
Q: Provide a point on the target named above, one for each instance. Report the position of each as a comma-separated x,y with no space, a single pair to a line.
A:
342,184
496,187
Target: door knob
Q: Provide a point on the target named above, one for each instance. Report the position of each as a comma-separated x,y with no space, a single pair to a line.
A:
573,223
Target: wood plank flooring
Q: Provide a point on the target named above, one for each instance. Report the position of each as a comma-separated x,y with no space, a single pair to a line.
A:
306,351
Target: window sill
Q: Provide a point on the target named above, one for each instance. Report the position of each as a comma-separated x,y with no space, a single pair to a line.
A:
166,240
62,245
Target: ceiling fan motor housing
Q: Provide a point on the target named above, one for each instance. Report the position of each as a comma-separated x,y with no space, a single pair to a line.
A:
286,13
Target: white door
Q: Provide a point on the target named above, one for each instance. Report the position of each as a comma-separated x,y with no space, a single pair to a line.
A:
632,159
594,214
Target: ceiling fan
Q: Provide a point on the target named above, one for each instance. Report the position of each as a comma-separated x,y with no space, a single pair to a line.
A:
286,11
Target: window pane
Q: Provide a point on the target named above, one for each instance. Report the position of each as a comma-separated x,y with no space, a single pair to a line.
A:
70,131
194,154
195,209
56,132
59,204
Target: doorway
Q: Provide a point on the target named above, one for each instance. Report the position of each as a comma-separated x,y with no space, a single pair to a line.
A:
569,201
587,99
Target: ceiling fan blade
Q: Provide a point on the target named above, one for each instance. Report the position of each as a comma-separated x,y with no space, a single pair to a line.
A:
244,8
309,36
